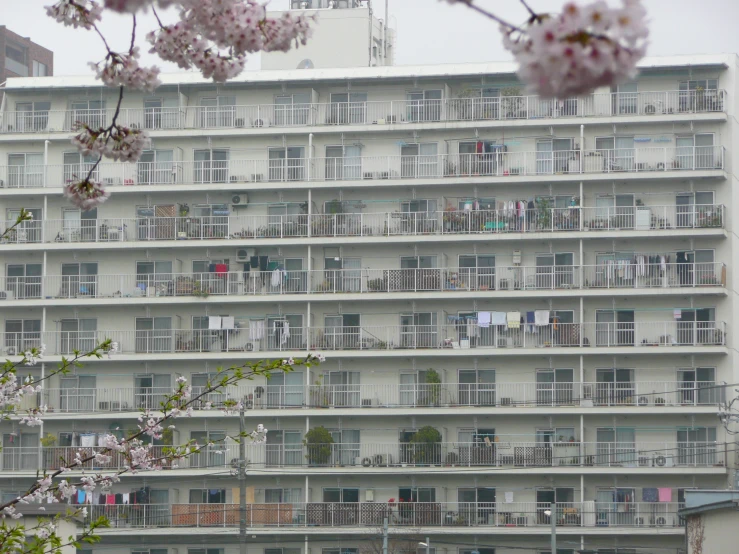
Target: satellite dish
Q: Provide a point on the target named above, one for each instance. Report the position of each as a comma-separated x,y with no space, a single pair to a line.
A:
306,64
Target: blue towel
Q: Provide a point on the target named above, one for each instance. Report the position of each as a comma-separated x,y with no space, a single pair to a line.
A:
81,497
649,495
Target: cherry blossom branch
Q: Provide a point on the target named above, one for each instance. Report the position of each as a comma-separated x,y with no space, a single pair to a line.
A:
24,215
179,403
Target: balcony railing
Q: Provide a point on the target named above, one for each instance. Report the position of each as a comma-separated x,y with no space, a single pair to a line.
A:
574,515
271,338
643,394
495,164
382,224
504,452
367,281
375,113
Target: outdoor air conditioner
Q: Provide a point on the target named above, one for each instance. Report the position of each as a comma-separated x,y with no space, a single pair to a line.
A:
259,122
243,255
381,460
240,200
660,521
639,521
663,461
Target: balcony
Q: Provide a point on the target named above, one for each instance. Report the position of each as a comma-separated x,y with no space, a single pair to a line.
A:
577,516
632,394
646,161
400,112
368,282
259,337
506,452
382,224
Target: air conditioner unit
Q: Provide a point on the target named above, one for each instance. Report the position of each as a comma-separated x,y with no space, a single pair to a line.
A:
259,123
639,521
304,5
240,200
11,351
661,521
381,460
663,461
243,255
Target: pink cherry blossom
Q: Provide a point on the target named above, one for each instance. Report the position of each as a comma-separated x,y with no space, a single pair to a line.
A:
581,49
76,13
86,194
124,70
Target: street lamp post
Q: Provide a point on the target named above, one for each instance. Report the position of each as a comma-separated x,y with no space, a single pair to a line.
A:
552,514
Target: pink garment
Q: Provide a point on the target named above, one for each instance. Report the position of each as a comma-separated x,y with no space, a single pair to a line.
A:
664,494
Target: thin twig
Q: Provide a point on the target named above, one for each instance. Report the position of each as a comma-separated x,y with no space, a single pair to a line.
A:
133,35
492,16
534,15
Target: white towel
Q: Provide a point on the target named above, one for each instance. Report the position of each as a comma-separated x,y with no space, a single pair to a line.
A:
227,322
126,497
88,439
514,320
497,318
677,313
541,317
483,319
509,497
256,329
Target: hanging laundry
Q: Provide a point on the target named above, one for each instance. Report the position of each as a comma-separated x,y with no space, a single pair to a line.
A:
126,497
211,268
228,322
276,278
514,320
650,494
497,318
541,318
472,329
677,313
665,494
256,329
110,499
483,319
509,497
88,439
214,322
221,269
530,322
81,495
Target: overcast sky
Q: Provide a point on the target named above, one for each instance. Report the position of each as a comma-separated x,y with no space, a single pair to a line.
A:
429,31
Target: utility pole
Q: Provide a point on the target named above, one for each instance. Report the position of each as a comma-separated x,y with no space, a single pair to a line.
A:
553,520
384,536
242,483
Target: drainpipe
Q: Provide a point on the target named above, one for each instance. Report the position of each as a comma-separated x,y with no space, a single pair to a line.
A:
46,161
582,150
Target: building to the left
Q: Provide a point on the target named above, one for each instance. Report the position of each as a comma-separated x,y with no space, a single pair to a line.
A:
22,57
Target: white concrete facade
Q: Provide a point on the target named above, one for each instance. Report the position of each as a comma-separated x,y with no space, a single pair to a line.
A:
394,216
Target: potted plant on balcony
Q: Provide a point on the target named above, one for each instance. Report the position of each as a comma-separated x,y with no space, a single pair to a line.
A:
431,389
48,441
318,443
426,446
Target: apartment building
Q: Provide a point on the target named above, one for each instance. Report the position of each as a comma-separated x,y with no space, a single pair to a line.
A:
521,301
22,57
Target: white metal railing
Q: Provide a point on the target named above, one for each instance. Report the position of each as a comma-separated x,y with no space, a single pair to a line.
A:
391,112
609,275
446,222
398,514
505,451
494,164
642,394
256,337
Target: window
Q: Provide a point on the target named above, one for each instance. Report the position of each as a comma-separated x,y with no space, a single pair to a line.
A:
616,446
348,108
284,448
211,166
26,170
218,111
151,390
340,495
90,112
156,167
696,386
153,334
617,153
554,155
283,551
21,335
417,494
207,496
24,280
424,106
78,393
614,386
15,59
695,152
210,456
286,164
161,113
418,330
20,451
26,231
32,116
696,446
340,551
699,95
343,162
554,387
554,271
419,160
478,157
77,166
78,334
39,69
79,279
153,274
278,496
205,551
290,109
624,99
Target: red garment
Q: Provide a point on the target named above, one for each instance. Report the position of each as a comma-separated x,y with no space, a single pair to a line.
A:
110,499
478,147
221,269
